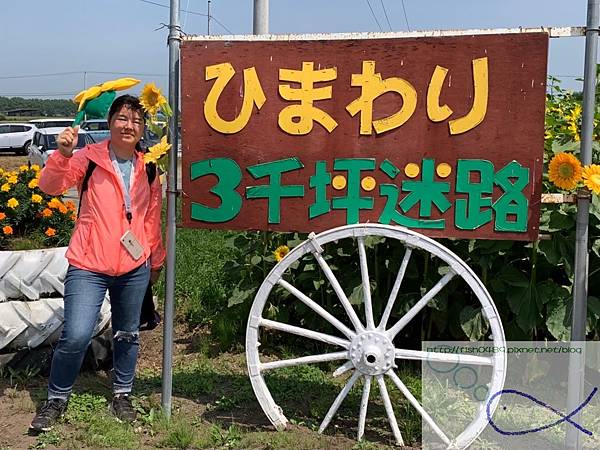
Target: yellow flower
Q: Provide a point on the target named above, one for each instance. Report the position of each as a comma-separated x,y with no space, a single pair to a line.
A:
280,252
36,198
591,178
157,151
47,212
12,203
7,230
23,168
35,167
50,232
152,99
2,216
5,187
564,171
33,183
13,179
54,203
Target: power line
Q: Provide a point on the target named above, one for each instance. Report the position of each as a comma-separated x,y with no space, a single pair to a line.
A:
190,12
79,72
405,16
374,17
386,15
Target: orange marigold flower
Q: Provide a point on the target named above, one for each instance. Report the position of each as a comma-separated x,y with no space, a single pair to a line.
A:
7,230
70,205
2,216
63,209
50,232
46,212
54,203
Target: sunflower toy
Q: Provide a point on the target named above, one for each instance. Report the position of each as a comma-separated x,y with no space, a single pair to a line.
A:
95,101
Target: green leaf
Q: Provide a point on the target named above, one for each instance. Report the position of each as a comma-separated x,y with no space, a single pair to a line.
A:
356,298
559,319
239,296
473,323
255,260
593,306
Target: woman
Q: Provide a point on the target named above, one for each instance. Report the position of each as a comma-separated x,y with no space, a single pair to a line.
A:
116,246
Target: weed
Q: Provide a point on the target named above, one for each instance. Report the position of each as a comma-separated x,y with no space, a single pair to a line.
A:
180,434
46,439
225,438
19,377
84,406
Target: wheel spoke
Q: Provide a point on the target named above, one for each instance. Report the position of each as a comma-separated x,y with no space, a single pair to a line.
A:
364,402
366,284
316,308
339,292
343,368
395,289
389,410
444,357
338,401
413,401
412,312
304,360
304,332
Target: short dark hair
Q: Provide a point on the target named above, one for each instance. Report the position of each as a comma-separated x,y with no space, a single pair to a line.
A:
128,101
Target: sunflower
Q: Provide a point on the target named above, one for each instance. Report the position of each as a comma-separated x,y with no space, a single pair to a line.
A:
152,99
280,252
564,171
591,178
157,151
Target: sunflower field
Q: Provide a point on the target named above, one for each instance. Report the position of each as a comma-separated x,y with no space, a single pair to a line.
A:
530,282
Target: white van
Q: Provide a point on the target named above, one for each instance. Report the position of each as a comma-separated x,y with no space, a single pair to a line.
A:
16,136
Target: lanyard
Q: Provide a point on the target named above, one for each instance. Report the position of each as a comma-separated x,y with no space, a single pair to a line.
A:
126,194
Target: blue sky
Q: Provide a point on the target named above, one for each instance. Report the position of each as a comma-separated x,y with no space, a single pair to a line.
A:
79,38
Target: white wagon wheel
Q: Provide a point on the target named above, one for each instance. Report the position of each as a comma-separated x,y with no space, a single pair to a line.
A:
368,349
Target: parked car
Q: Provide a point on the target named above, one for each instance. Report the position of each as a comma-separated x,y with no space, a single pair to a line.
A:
97,128
44,144
52,122
16,136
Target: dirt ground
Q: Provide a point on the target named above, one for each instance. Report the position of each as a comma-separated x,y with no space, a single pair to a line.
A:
10,161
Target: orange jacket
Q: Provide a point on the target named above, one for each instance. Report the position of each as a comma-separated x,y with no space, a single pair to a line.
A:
95,244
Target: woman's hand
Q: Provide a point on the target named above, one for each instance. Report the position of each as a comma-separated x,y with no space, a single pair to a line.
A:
67,140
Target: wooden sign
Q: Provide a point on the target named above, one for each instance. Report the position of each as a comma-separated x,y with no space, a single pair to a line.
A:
443,135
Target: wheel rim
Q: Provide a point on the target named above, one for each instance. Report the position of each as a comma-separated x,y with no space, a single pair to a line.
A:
369,350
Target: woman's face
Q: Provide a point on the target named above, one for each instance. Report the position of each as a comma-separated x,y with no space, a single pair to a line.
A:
126,127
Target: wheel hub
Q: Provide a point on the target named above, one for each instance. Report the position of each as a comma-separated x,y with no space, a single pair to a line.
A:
372,353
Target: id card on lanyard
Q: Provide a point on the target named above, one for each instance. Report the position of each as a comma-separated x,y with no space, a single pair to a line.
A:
129,241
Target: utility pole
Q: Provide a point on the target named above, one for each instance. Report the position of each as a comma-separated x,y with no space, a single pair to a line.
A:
167,368
260,24
580,283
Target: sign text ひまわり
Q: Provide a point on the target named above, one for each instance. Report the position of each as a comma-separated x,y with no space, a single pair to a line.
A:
443,135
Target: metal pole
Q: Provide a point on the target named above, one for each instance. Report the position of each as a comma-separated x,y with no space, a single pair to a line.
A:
167,368
208,20
260,24
580,287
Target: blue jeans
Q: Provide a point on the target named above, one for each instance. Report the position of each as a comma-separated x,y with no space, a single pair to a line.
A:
84,294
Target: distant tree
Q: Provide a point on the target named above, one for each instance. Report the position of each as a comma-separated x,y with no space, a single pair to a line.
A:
45,107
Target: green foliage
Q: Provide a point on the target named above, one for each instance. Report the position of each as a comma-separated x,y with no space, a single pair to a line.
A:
228,438
43,107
